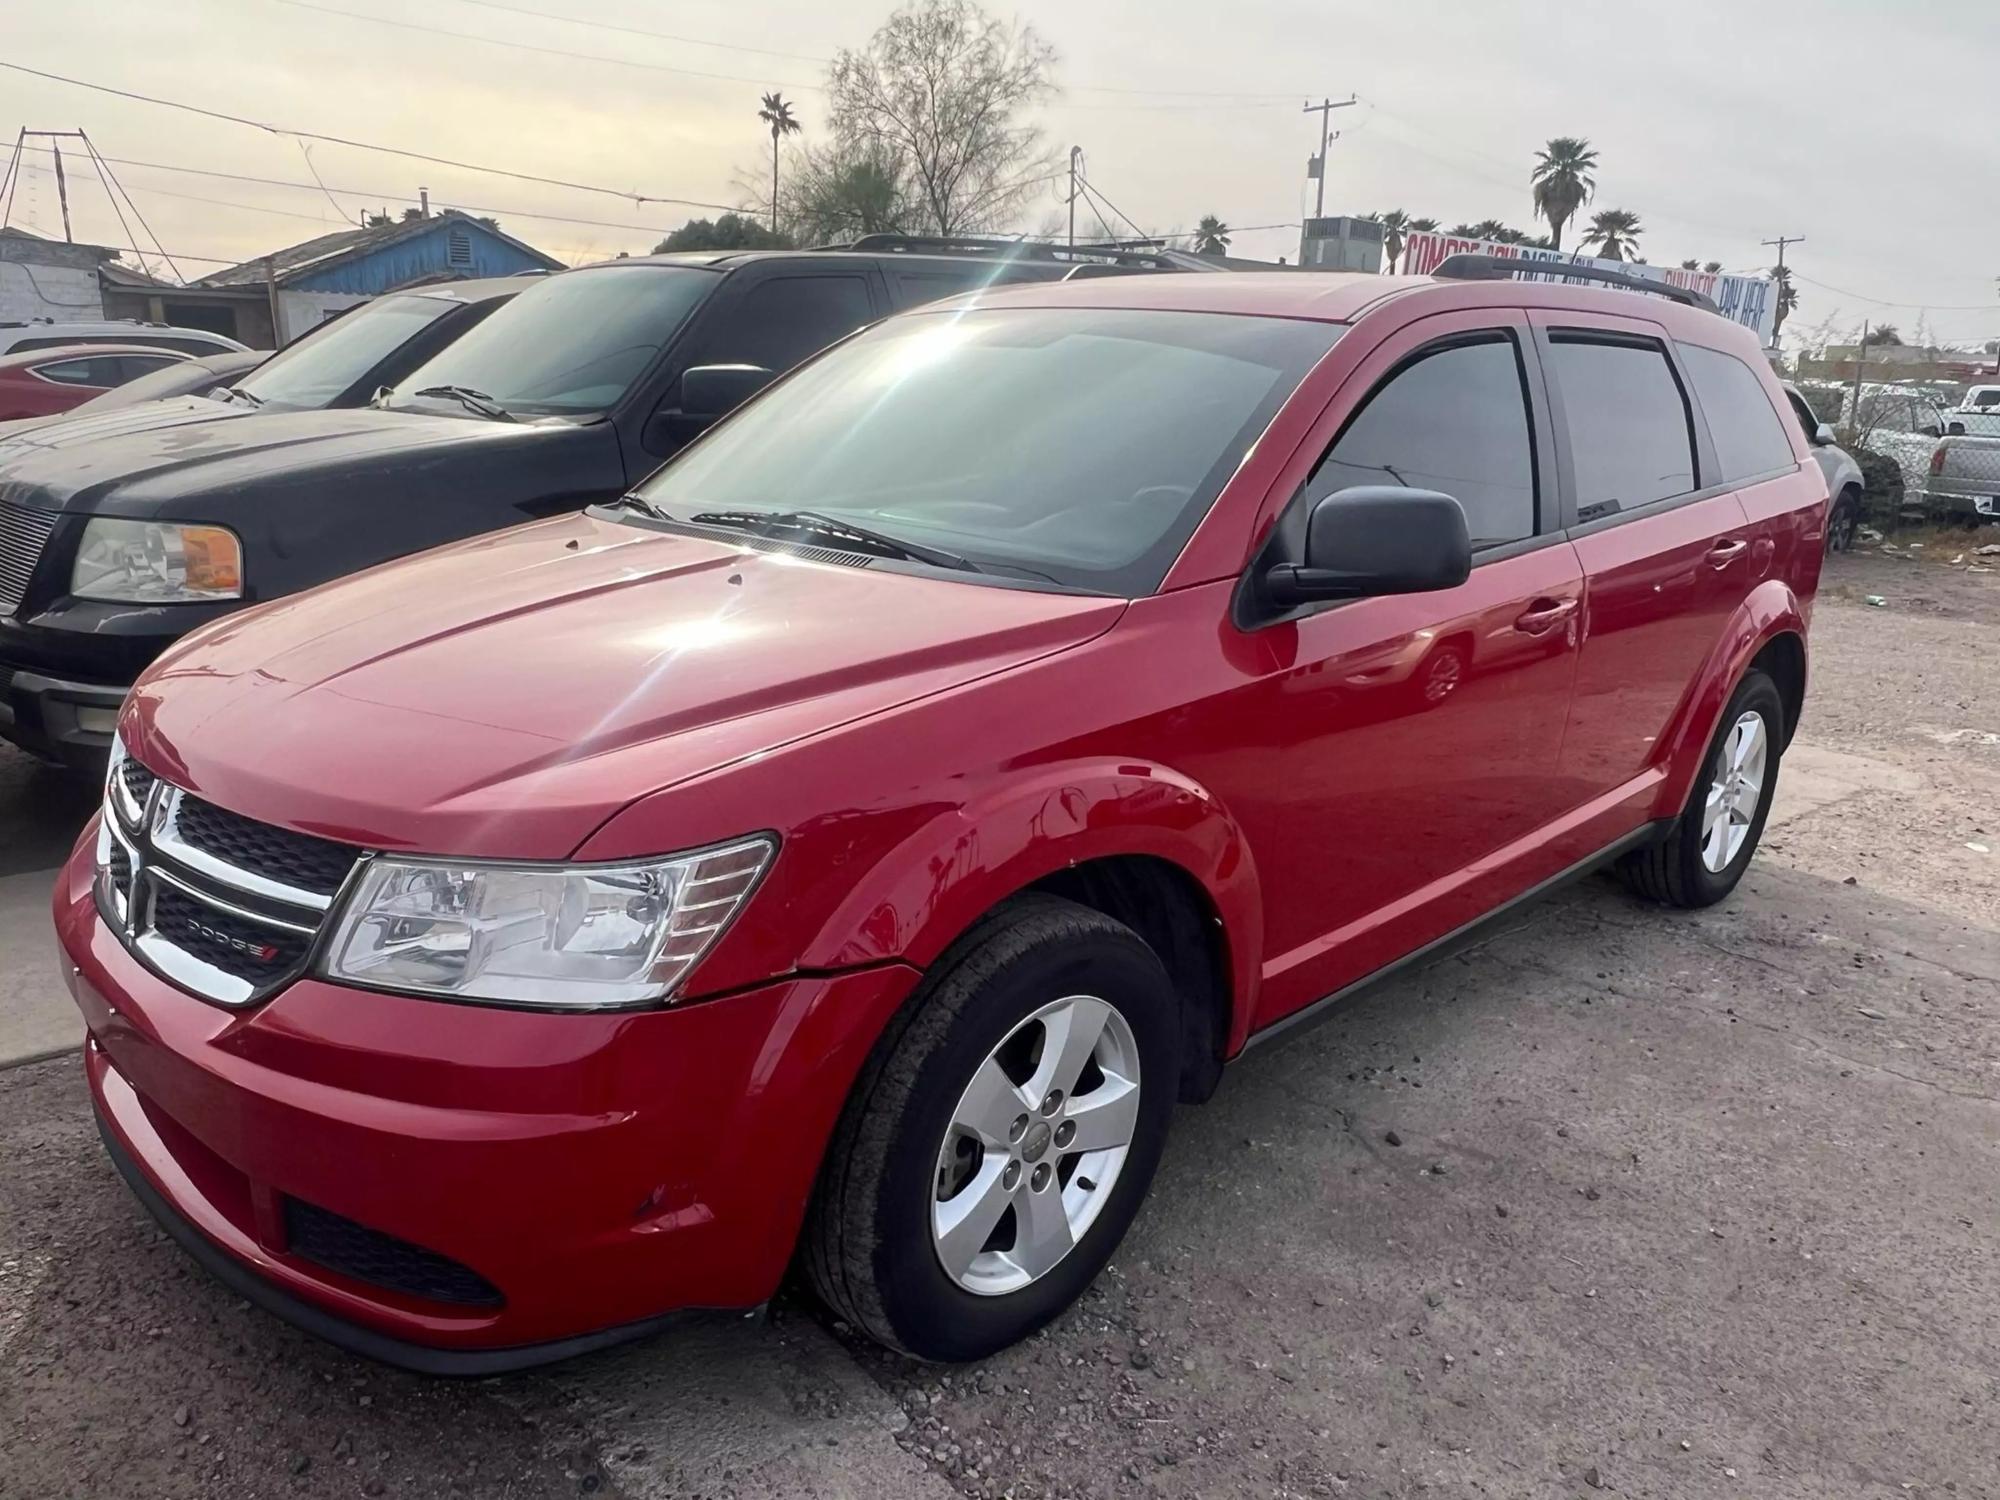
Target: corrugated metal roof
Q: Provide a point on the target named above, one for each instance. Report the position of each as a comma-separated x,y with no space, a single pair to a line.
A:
346,244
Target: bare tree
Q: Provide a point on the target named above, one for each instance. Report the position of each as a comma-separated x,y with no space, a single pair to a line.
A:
941,88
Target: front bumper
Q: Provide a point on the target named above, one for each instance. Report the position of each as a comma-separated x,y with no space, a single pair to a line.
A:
597,1173
59,720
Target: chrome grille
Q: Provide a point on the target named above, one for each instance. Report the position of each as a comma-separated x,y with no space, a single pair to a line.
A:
23,534
230,915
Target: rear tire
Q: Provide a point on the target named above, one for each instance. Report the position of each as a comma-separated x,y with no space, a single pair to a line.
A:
1701,860
1843,520
934,1228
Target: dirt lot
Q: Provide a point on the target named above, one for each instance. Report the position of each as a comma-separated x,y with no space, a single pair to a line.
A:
1621,1202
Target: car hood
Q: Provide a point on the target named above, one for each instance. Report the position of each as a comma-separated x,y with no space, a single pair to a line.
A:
163,457
504,696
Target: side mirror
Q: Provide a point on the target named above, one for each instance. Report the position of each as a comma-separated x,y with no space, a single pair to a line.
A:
1822,436
1955,429
715,390
1376,539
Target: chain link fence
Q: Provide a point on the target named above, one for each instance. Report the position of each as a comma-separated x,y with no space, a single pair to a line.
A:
1926,461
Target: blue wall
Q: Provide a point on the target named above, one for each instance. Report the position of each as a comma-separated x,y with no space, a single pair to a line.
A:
421,257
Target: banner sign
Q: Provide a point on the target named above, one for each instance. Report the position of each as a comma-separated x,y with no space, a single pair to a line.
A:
1749,300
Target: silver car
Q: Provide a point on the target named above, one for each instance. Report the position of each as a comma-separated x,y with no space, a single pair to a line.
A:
1844,484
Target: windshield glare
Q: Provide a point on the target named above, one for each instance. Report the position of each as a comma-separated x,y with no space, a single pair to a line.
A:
571,345
314,372
1080,445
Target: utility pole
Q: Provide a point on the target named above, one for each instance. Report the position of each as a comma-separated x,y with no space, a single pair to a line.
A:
62,192
1075,156
1860,357
1781,241
1324,109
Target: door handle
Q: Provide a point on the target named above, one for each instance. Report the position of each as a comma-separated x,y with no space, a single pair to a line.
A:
1726,551
1542,616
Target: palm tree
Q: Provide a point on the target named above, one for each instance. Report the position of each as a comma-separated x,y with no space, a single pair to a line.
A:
1562,182
1713,267
1395,224
1421,226
778,115
1211,236
1690,265
1464,231
1788,298
1615,232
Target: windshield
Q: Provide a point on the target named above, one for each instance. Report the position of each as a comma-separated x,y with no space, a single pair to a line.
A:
314,372
1081,445
571,345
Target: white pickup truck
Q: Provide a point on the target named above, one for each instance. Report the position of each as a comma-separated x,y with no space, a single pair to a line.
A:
1964,478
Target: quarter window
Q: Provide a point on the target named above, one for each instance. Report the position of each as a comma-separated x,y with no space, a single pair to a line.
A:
1741,423
1630,438
785,319
1456,420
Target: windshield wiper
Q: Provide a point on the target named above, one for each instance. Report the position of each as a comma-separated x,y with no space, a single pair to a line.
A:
471,400
237,393
818,524
641,504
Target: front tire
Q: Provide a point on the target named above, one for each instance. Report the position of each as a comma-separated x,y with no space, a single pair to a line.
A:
1002,1138
1710,846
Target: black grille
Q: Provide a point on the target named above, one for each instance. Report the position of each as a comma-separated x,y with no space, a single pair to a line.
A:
327,1239
298,859
138,780
23,534
120,868
249,950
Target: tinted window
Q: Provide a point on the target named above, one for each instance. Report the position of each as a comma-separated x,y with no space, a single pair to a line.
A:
783,320
1808,420
315,371
1629,435
1456,420
102,370
1078,445
132,366
570,345
1741,423
913,288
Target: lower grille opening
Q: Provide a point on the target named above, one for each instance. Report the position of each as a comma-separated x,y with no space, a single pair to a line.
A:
248,950
340,1244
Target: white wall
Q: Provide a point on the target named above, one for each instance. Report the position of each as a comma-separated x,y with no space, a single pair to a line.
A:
65,293
304,311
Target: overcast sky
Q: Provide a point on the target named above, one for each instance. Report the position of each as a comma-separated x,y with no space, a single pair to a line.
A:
1863,127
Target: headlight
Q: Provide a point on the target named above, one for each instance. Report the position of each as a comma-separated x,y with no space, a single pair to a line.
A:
559,936
156,562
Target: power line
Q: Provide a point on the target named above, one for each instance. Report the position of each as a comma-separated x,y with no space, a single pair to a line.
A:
693,41
1908,306
596,57
1089,188
335,140
365,194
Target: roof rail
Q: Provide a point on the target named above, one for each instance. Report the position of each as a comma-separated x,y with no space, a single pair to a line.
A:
1006,249
1466,267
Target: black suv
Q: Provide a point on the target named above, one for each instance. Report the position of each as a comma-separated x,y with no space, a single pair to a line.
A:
120,534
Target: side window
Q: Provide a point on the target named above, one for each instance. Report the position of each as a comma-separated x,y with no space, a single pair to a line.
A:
97,371
1808,420
915,288
787,318
1631,439
1748,440
1456,420
132,366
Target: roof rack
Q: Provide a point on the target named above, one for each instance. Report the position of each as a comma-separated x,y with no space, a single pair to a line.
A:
1006,249
1464,267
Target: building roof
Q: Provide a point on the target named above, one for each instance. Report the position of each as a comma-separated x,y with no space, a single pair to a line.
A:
26,240
342,245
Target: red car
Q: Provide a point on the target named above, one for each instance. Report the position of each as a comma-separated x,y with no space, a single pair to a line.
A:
47,382
845,851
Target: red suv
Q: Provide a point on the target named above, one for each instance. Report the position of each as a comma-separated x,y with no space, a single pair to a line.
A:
844,851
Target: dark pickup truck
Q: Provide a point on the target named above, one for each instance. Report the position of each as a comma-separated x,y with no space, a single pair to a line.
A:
121,533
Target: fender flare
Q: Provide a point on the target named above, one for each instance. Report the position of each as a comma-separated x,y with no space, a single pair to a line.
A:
1770,610
917,898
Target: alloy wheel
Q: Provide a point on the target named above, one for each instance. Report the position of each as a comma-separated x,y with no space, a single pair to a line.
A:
1035,1145
1734,792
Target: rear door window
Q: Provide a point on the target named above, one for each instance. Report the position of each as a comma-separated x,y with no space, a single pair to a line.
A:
99,370
1631,438
132,366
1454,419
1741,422
784,320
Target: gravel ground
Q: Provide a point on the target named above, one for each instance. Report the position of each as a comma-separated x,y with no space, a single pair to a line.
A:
1622,1201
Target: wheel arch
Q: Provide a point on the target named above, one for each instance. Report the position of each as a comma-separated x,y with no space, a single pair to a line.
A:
1136,841
1767,630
